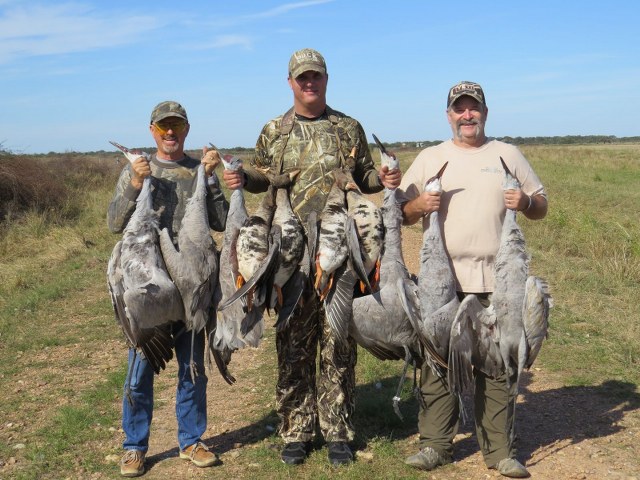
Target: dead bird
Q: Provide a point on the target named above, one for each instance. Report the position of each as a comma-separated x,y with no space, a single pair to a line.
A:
332,248
380,321
193,266
506,336
145,300
293,242
256,252
235,327
436,290
369,228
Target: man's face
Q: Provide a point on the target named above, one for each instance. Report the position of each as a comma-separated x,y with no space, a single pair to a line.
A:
310,88
467,118
170,134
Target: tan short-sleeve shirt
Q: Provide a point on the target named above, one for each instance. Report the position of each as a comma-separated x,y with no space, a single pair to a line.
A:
472,204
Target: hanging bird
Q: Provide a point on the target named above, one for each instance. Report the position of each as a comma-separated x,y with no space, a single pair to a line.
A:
294,288
332,248
235,326
145,300
380,322
507,335
367,220
369,229
292,244
436,290
193,266
257,249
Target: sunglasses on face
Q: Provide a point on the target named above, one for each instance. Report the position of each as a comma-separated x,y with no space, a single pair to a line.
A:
177,126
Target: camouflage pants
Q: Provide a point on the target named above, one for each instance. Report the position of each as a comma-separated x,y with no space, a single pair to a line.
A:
305,397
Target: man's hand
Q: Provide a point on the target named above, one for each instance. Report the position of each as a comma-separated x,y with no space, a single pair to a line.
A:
419,207
233,179
390,178
516,200
211,159
141,169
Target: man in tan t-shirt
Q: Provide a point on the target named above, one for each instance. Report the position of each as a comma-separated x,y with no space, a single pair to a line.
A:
471,210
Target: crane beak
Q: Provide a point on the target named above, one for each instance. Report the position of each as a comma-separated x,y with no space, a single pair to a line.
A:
381,146
439,174
504,165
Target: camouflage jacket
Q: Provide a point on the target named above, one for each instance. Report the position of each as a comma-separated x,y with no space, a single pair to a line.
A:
173,184
312,147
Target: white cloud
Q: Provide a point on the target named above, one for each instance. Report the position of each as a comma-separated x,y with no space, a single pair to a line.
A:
287,7
57,29
223,41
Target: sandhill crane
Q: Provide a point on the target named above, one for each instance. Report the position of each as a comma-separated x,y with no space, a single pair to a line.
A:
145,300
507,335
193,266
436,290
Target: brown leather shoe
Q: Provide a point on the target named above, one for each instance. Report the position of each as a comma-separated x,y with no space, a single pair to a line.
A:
132,463
199,455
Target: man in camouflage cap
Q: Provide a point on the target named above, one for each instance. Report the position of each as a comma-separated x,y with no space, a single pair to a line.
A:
173,182
315,139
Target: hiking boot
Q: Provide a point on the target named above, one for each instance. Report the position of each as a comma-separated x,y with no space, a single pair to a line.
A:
510,467
199,455
295,453
132,463
427,459
339,453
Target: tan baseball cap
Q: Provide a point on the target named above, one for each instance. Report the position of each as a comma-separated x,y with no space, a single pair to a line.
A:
305,60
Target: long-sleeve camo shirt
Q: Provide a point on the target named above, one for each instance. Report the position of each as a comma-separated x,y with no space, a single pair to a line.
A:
173,184
312,147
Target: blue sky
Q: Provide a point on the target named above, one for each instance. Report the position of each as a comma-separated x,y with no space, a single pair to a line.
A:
76,74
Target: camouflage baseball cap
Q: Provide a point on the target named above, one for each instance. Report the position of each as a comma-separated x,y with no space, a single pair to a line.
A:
168,109
304,60
470,89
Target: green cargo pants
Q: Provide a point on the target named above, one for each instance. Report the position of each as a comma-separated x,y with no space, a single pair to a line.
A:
493,408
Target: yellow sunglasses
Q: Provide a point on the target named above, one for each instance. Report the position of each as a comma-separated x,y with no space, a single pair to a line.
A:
177,126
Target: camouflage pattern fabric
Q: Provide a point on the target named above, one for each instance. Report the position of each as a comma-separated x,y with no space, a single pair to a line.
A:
301,403
172,188
312,147
306,397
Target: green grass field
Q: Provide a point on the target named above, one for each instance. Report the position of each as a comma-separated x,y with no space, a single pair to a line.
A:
62,357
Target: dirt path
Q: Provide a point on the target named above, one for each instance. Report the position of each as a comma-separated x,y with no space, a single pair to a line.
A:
571,433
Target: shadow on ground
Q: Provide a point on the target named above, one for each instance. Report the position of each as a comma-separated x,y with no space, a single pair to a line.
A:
552,418
560,417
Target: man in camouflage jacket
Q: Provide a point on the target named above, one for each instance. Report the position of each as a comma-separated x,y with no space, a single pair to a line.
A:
315,139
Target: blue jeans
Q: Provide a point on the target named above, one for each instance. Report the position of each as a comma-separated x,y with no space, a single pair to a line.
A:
191,399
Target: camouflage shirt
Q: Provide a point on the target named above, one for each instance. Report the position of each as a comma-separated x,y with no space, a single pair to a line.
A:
312,147
173,184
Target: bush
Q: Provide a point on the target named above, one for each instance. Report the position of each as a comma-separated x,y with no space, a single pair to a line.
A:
51,183
27,183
